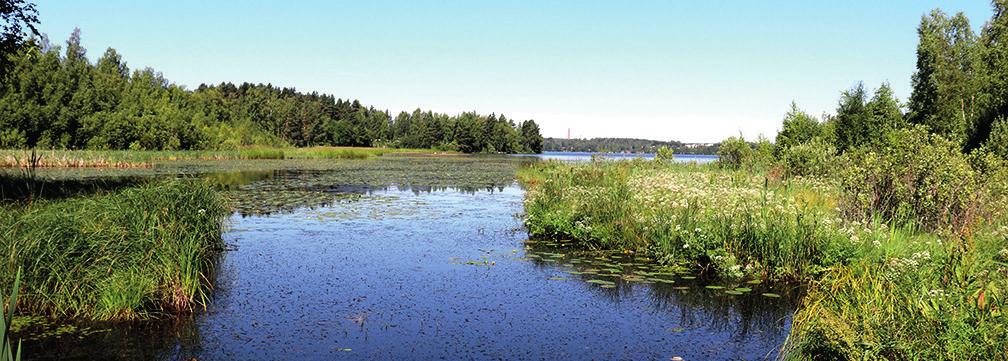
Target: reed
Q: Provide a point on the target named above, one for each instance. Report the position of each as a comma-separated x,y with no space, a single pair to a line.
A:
146,159
126,255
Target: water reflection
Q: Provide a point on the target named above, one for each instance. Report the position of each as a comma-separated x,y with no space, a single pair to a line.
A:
429,272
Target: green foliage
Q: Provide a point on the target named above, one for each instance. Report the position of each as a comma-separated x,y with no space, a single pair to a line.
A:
947,83
20,18
619,145
7,351
917,178
940,302
735,153
724,222
997,142
665,154
815,158
798,128
120,256
65,102
864,123
763,154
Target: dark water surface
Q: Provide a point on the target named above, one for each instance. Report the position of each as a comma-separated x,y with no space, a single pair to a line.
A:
432,273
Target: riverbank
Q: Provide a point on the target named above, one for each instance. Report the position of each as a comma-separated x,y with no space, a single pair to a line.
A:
145,159
878,287
122,244
125,255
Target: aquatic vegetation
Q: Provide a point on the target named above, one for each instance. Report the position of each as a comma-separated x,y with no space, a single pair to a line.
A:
147,159
921,277
727,222
126,255
7,351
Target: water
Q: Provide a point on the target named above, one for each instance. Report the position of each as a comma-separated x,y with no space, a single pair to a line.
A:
587,156
431,273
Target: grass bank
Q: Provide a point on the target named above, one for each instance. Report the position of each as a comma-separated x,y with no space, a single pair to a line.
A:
126,255
879,288
731,223
145,159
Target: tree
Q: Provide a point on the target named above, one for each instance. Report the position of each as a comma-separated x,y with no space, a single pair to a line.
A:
49,100
81,99
865,123
20,19
735,153
994,46
799,127
946,83
532,140
851,119
884,113
998,140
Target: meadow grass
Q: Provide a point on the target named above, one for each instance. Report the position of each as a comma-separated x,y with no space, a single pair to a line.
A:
126,255
146,159
877,288
731,223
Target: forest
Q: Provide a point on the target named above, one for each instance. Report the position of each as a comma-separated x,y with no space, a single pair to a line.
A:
959,92
621,145
55,98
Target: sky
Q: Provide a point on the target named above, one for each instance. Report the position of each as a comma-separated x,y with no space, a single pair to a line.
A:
694,71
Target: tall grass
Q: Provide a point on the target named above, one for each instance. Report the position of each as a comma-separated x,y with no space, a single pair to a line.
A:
121,256
7,351
727,222
880,286
144,159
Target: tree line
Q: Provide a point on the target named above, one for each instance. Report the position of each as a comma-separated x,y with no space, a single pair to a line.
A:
56,98
622,145
959,92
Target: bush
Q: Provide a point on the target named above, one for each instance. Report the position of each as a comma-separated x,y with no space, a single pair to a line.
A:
734,153
665,154
815,158
916,178
998,140
763,155
992,171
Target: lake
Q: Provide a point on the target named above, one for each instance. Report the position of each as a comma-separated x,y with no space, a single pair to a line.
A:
587,156
423,258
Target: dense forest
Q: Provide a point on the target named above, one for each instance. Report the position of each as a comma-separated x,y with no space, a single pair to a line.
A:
623,145
56,98
960,92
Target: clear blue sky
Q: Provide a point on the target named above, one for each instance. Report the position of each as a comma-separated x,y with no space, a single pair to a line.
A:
686,70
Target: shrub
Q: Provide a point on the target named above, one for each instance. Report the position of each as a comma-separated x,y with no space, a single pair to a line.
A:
992,171
814,158
916,178
734,153
998,140
763,155
665,154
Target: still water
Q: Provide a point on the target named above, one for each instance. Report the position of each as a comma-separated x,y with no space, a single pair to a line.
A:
587,156
418,273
